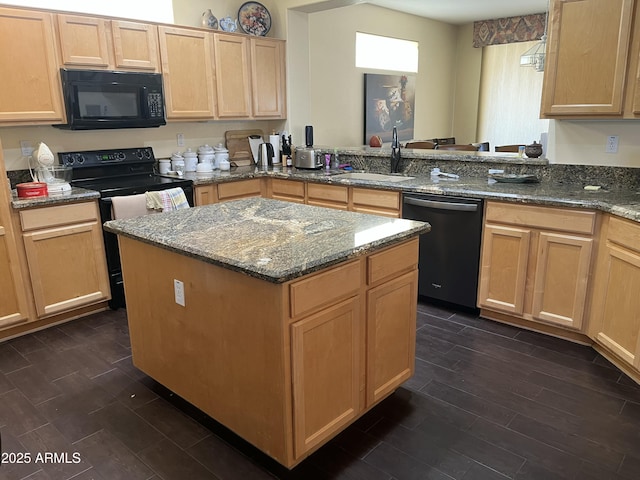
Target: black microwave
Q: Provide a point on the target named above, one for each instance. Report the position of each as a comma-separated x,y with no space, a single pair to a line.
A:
97,99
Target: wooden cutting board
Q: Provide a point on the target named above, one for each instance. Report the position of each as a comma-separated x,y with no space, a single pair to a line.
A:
237,142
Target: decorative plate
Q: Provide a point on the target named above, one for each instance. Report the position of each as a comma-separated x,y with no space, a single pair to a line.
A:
254,19
512,178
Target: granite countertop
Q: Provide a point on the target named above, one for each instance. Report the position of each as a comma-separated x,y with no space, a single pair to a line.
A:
75,195
624,202
268,239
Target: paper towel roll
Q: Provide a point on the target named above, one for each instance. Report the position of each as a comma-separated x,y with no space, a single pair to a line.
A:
275,141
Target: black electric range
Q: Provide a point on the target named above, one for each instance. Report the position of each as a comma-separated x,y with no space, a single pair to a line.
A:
114,173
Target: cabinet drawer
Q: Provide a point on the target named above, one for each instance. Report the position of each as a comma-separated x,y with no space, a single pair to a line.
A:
287,188
324,289
551,218
376,198
58,215
625,233
392,261
244,188
333,193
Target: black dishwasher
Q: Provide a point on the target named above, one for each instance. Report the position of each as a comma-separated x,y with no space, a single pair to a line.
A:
450,253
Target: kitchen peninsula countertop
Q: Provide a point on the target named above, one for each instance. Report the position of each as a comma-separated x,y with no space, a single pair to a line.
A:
622,202
268,239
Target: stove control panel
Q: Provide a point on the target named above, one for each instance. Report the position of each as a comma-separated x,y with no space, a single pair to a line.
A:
96,158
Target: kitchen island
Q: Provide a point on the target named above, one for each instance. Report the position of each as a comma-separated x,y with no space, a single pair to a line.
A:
283,322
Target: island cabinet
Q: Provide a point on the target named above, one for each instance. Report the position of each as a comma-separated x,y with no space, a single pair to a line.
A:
65,238
284,365
99,43
536,263
615,313
589,76
187,67
30,91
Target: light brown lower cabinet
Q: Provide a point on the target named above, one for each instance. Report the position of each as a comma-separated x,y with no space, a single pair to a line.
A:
330,196
65,256
285,366
536,263
615,319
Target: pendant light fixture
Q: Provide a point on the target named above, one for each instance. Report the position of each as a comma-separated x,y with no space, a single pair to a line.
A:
535,56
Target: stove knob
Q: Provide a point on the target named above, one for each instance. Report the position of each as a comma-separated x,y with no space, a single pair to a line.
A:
121,156
67,160
139,154
79,158
147,153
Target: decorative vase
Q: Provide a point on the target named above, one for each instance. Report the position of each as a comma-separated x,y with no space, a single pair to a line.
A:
209,20
534,150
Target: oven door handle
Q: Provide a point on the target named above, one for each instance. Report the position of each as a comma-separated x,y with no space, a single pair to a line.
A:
458,207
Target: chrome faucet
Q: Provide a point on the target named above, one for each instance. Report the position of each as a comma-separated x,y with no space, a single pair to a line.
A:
395,152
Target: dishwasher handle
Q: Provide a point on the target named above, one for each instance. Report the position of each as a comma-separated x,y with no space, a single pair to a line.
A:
459,207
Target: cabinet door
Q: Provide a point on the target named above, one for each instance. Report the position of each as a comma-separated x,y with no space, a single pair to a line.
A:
187,67
83,41
232,75
561,279
67,266
391,335
30,89
620,309
241,189
503,268
330,196
205,195
13,306
585,74
377,202
135,45
326,373
268,91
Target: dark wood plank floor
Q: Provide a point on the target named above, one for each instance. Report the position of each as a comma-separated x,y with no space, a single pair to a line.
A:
488,401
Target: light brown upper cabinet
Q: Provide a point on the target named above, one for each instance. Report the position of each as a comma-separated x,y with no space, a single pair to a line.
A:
30,90
268,90
250,77
232,76
107,44
188,75
589,45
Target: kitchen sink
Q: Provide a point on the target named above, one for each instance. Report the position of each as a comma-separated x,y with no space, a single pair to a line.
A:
375,177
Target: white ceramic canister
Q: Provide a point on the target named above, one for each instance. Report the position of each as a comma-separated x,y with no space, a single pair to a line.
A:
205,154
164,165
221,154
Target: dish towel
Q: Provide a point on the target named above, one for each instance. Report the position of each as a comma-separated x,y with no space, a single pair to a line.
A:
167,200
177,199
154,201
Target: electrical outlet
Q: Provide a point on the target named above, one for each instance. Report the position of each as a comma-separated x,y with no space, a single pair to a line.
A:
178,290
180,139
612,144
26,148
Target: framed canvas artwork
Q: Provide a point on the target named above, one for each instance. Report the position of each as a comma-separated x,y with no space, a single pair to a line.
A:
389,101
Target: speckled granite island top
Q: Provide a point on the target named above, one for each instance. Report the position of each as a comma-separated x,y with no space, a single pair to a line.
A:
269,239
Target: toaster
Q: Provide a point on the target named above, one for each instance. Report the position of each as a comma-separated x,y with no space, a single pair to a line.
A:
307,157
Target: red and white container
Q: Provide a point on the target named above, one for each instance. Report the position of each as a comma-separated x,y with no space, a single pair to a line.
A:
32,189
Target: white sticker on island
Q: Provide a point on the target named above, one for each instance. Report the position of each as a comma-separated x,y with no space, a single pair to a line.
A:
178,289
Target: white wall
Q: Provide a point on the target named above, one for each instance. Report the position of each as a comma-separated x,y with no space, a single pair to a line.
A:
336,87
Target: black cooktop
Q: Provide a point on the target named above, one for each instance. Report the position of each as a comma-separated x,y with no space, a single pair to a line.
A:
118,172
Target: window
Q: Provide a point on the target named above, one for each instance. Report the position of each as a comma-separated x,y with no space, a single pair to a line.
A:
160,11
386,53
